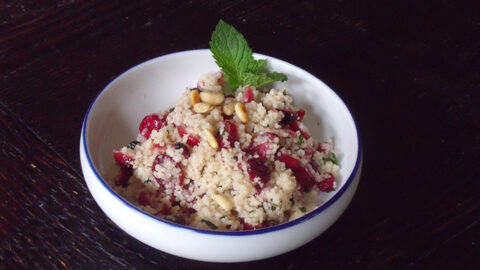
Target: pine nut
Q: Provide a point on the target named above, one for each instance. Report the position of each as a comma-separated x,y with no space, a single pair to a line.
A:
229,108
241,112
194,97
212,141
224,203
212,98
202,107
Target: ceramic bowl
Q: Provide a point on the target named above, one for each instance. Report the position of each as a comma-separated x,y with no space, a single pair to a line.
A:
112,120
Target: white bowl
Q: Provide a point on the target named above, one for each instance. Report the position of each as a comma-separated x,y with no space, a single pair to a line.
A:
112,120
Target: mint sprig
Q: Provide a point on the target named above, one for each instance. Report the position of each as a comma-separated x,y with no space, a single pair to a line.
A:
234,56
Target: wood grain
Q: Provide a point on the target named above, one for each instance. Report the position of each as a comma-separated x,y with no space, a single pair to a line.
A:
409,71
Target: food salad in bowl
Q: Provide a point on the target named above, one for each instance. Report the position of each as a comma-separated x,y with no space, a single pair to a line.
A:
236,164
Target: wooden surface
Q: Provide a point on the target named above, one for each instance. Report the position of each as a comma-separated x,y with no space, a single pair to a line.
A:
408,70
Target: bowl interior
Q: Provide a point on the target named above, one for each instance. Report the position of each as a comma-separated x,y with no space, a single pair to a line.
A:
114,116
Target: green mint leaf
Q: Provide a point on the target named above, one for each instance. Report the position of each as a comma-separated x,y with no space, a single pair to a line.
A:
301,140
258,79
303,209
331,157
209,224
234,56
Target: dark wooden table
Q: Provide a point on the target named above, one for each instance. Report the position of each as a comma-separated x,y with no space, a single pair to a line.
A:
408,70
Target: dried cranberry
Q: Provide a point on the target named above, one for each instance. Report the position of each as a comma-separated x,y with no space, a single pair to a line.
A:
290,116
294,126
123,159
182,131
256,168
164,210
289,161
143,199
301,114
305,135
271,135
326,185
185,152
249,96
150,123
308,151
122,178
193,140
320,149
304,179
231,129
248,226
261,149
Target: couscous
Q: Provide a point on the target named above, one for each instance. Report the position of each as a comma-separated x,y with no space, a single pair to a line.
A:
226,162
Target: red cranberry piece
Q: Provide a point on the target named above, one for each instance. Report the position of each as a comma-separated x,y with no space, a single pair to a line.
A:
143,199
220,141
271,135
123,159
319,148
164,210
294,126
304,179
182,131
150,123
308,151
232,131
248,226
326,185
305,135
192,140
185,152
122,178
288,118
289,161
261,149
249,96
256,168
301,114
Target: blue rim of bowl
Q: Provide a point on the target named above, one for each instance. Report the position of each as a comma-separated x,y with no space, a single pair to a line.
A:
278,227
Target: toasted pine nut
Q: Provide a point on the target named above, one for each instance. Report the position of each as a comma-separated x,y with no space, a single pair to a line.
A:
229,108
212,98
212,141
194,97
225,203
202,107
241,112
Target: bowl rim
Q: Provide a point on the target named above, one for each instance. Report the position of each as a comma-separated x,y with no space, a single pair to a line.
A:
275,228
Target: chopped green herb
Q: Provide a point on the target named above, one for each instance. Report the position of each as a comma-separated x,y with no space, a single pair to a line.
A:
331,157
303,209
268,125
233,55
172,109
301,140
224,132
209,224
147,181
222,217
235,157
273,207
292,201
285,92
